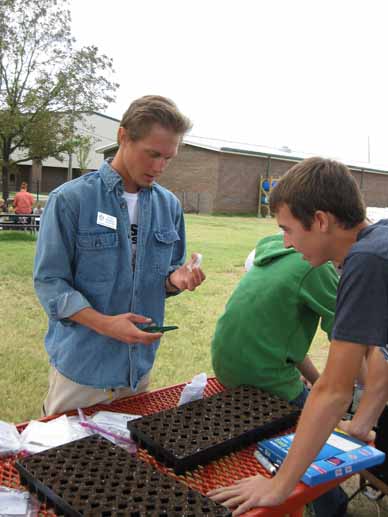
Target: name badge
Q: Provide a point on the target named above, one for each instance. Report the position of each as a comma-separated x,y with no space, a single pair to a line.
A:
107,220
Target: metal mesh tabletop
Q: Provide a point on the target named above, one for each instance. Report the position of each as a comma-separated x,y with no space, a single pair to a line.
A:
221,472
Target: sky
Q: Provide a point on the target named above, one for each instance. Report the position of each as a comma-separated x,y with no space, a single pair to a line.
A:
307,74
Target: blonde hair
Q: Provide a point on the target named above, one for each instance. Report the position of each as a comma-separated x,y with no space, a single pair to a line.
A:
146,111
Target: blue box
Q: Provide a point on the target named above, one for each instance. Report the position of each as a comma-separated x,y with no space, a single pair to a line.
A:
340,456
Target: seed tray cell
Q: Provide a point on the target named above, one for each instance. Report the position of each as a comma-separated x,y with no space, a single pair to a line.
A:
93,477
201,431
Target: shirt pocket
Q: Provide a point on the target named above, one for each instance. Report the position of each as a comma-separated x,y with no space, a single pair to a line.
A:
164,241
96,255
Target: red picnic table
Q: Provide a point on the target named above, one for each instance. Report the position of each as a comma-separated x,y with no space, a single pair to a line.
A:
221,472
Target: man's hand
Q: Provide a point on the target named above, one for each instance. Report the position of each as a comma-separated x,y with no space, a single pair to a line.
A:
120,327
348,427
249,493
189,276
373,399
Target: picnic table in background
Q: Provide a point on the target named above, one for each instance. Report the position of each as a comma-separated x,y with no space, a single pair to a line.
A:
221,472
12,221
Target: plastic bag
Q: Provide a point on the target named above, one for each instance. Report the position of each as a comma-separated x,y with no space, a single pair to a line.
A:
15,503
112,426
9,439
40,436
194,389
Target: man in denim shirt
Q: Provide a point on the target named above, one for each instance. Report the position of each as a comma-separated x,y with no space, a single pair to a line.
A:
111,248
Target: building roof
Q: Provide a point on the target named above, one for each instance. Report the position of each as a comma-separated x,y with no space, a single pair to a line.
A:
241,148
106,116
105,148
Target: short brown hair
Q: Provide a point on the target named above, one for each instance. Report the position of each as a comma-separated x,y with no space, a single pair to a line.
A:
153,109
320,184
24,185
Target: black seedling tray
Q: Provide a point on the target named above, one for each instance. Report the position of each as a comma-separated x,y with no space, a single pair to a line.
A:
200,431
92,477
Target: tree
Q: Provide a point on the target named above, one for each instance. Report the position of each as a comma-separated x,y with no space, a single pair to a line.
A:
83,148
46,83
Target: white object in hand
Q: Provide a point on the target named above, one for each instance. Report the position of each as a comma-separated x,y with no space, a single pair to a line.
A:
196,263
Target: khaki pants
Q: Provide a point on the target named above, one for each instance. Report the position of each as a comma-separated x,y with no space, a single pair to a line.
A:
64,395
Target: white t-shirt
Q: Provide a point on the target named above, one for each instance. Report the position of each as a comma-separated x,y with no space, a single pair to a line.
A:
132,206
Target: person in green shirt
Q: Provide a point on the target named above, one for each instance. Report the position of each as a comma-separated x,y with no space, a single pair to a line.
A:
263,337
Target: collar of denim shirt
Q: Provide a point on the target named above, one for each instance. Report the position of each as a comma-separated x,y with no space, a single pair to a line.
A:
111,178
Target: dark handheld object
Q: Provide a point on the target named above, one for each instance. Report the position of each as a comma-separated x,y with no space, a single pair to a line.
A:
154,328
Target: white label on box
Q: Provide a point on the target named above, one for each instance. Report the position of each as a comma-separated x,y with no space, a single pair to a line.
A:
342,443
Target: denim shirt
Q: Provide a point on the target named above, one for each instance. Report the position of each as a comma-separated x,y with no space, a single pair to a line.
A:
80,264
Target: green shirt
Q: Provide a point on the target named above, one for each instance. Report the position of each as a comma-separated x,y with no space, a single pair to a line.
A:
271,319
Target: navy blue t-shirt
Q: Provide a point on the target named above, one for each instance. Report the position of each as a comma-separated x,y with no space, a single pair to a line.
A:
362,297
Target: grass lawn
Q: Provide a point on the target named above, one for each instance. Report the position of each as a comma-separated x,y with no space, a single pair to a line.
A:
224,242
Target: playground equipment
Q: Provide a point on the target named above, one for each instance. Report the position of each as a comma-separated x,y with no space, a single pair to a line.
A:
265,187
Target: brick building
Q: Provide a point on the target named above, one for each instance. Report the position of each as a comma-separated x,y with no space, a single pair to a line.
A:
214,176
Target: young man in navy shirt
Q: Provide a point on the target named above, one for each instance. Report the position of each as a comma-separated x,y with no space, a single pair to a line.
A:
320,209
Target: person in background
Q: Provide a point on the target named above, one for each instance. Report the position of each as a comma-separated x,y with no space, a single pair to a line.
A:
23,201
320,208
4,210
263,337
111,249
38,211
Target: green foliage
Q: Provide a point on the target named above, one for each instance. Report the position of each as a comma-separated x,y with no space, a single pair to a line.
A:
83,148
46,83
